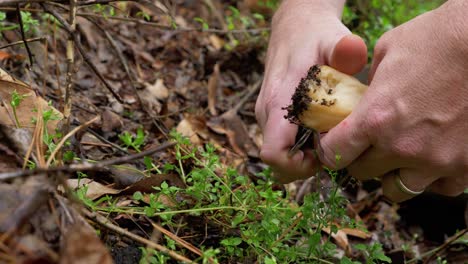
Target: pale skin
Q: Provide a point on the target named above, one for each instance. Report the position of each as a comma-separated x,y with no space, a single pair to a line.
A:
414,116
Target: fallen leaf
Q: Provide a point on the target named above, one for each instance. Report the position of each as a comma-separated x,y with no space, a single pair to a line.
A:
81,245
186,129
95,189
26,111
126,174
213,83
340,237
158,90
216,42
110,121
231,125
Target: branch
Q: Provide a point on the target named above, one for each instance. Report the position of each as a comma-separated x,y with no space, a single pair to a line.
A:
80,48
86,166
103,221
21,42
23,37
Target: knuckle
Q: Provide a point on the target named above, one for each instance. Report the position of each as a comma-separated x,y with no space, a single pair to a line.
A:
407,147
377,120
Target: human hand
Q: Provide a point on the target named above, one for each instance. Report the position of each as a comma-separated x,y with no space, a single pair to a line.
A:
304,33
413,118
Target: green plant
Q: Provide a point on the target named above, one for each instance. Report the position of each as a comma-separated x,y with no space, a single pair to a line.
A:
130,140
256,221
373,253
16,100
371,19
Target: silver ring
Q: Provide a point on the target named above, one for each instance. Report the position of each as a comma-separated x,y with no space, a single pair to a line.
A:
403,187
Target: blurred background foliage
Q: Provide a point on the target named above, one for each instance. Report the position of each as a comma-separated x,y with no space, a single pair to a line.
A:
370,19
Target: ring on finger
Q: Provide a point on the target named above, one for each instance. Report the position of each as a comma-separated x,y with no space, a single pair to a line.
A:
403,188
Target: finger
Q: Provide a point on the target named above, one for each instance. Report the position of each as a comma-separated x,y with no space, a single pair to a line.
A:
278,136
348,55
344,143
373,163
413,179
449,186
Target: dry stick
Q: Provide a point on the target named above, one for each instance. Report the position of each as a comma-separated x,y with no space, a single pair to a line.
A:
154,24
437,250
252,90
65,138
177,239
169,28
23,37
86,166
80,48
22,42
102,139
81,3
106,223
70,50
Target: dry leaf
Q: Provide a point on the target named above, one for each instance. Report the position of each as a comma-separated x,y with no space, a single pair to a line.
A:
82,246
213,83
340,237
95,189
27,109
216,42
234,128
186,129
110,121
158,90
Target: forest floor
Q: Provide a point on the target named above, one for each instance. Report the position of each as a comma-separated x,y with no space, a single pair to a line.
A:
159,163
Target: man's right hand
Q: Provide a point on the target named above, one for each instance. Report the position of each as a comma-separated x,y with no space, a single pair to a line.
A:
304,33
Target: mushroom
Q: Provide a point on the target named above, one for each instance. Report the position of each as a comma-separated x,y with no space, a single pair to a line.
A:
324,98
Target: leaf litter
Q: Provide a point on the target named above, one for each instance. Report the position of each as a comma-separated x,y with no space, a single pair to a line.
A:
184,79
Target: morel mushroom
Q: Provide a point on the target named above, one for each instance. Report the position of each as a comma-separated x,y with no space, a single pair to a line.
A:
323,98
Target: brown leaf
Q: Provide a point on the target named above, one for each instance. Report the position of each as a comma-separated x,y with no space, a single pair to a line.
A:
26,111
186,129
110,121
82,246
340,237
158,90
213,83
95,189
216,42
234,128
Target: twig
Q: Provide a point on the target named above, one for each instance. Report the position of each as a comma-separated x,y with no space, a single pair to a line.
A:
156,25
70,69
85,166
21,42
80,48
23,37
253,89
431,253
177,239
81,3
106,223
102,139
65,138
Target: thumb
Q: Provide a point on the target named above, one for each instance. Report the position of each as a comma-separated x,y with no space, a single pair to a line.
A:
348,55
345,142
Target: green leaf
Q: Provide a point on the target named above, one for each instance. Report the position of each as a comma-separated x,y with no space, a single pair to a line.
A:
270,260
137,196
381,256
232,241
